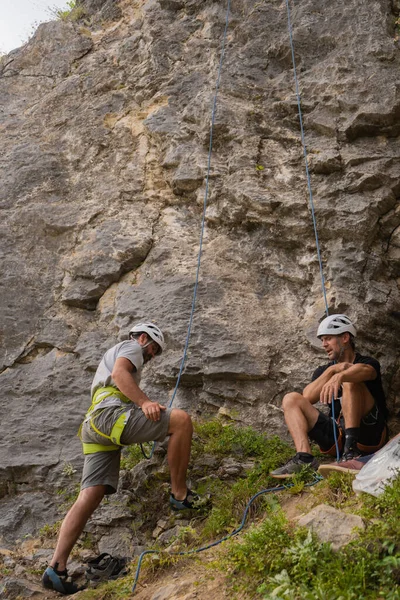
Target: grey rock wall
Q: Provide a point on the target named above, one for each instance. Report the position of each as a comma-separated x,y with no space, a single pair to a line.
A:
104,139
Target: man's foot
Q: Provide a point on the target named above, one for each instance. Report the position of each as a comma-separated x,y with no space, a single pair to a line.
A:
294,465
59,581
349,466
192,502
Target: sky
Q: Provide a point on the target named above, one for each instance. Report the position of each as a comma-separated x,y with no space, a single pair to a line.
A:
20,18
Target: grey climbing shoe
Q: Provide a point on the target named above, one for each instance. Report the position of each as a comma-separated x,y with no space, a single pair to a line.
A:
294,465
105,567
191,502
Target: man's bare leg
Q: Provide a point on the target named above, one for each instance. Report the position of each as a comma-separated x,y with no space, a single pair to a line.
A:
356,403
300,417
179,445
74,523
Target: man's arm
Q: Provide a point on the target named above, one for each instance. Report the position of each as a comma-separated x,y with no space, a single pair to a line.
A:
122,376
312,391
349,373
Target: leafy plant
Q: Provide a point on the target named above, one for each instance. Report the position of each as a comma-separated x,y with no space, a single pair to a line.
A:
131,456
69,470
50,531
73,12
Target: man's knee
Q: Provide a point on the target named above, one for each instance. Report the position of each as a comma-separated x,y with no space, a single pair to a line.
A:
357,392
180,421
91,497
291,400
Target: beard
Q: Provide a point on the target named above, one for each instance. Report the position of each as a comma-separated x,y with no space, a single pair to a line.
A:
146,356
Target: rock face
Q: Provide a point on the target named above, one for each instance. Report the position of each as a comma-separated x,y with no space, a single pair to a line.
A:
332,526
104,143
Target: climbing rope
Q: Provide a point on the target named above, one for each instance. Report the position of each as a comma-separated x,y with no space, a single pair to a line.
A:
303,141
183,361
203,221
279,488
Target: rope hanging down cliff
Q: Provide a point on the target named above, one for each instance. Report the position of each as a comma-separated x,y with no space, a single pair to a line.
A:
278,488
203,221
303,142
311,201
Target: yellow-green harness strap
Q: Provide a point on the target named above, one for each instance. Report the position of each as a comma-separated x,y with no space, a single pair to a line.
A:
102,393
117,428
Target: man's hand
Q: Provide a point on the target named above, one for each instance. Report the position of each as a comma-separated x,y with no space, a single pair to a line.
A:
331,389
152,410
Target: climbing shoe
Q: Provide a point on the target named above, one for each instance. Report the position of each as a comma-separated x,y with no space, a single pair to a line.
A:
105,567
294,465
349,466
192,502
59,581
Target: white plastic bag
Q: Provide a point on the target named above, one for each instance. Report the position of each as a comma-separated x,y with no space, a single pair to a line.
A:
380,469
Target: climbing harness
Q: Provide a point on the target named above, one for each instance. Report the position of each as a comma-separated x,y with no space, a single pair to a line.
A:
115,436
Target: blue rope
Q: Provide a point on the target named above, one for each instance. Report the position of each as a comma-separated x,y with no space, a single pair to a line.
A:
226,537
303,141
214,110
282,487
306,158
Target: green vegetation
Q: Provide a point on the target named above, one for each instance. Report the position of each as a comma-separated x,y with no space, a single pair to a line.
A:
275,560
131,456
397,29
119,589
220,439
69,470
272,558
50,531
68,495
230,499
74,12
337,491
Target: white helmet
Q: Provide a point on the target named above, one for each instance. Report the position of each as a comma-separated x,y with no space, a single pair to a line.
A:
335,325
152,330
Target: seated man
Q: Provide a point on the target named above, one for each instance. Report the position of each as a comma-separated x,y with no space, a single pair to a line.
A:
359,407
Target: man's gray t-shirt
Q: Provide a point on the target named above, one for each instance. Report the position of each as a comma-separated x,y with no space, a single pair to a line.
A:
112,406
129,349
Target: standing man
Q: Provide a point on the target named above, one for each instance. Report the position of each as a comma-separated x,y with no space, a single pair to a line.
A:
354,382
121,414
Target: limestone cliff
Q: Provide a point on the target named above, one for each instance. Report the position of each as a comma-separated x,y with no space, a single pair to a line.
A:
104,138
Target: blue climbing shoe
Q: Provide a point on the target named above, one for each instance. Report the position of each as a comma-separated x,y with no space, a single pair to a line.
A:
59,581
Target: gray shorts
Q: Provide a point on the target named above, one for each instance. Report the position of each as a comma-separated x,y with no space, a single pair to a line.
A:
102,468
